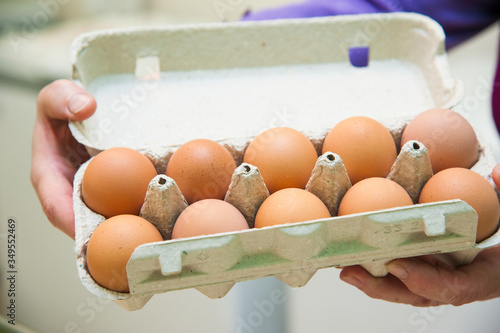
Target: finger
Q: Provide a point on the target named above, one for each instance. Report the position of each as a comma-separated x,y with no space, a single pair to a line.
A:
441,284
388,288
55,194
51,136
63,100
434,261
495,174
52,173
55,154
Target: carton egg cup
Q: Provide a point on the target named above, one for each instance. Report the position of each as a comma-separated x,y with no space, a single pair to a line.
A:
157,88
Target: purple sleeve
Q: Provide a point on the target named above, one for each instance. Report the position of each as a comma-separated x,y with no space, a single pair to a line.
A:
460,19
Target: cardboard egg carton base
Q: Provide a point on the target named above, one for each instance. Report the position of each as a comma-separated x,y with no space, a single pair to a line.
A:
294,252
138,77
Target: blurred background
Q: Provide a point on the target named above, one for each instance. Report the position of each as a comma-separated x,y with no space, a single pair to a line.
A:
34,50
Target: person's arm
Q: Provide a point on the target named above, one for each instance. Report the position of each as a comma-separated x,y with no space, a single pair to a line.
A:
461,19
55,154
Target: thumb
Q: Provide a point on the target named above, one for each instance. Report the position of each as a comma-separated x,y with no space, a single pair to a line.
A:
443,284
64,100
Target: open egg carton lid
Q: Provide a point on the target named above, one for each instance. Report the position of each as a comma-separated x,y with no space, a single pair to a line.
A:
157,88
224,81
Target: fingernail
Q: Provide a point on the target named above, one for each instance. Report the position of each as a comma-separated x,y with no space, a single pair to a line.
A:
77,103
352,281
398,271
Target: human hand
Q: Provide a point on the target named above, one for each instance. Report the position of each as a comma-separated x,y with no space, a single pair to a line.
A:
428,281
55,154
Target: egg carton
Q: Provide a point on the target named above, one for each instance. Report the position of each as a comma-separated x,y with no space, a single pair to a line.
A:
157,88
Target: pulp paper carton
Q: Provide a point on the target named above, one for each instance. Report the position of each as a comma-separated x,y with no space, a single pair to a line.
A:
158,88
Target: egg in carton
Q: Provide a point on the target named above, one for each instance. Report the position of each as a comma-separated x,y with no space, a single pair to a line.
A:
276,51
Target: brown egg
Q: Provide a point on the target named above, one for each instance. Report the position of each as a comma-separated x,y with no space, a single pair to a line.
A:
373,194
202,169
116,180
111,246
365,145
290,205
469,186
284,156
207,217
449,138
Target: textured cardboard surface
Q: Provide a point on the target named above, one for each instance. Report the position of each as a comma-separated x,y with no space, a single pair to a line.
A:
405,50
